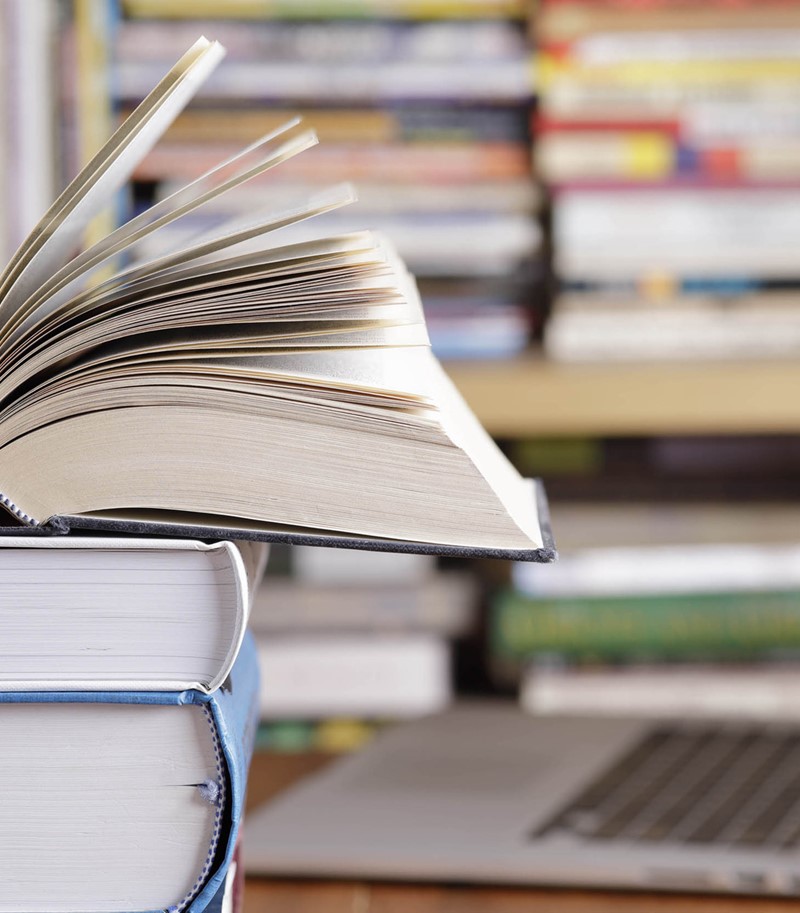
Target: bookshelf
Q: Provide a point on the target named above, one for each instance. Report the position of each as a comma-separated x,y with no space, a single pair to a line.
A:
425,106
465,276
529,396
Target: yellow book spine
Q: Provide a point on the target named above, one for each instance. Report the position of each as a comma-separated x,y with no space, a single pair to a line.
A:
241,126
686,72
307,9
640,156
648,156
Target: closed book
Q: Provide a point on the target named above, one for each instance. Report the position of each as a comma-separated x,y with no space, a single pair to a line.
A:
310,9
692,240
735,625
323,41
443,604
759,691
123,801
121,614
322,674
720,566
569,20
580,329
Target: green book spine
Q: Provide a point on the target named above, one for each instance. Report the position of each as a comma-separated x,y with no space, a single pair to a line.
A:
697,626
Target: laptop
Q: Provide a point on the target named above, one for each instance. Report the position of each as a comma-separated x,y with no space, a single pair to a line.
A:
485,793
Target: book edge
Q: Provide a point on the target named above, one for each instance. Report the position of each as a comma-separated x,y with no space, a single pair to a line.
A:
65,525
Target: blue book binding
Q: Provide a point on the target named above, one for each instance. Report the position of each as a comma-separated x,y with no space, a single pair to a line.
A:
234,709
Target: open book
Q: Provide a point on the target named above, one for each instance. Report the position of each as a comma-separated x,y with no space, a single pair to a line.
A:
236,386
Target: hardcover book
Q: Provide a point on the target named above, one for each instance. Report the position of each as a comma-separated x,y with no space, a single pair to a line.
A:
118,614
133,798
236,386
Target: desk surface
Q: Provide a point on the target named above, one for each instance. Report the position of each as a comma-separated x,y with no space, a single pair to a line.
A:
272,773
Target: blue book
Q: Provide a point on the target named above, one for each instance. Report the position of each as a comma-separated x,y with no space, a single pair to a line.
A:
110,801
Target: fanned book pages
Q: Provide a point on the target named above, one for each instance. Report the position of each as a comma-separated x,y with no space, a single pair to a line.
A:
236,385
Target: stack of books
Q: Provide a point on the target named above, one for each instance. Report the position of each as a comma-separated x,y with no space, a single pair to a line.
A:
358,637
425,104
618,631
220,390
128,706
668,135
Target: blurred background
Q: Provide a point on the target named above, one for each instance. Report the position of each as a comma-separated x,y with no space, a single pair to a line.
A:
601,202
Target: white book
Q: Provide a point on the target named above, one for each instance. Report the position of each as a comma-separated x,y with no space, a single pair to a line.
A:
643,570
670,46
678,692
111,798
610,234
337,567
441,604
476,81
577,333
104,614
314,676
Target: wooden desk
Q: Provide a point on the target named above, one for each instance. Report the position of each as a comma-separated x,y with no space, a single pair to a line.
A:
271,773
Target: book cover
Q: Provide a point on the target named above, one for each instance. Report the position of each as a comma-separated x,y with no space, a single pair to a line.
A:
234,710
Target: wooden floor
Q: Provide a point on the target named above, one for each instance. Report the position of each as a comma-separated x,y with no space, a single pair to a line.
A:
272,773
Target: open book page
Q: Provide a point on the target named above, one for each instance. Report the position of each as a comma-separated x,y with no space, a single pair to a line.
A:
234,376
218,242
58,289
53,240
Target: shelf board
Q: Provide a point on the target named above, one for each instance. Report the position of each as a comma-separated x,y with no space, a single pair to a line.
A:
530,396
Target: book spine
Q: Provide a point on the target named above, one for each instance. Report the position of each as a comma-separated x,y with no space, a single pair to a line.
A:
568,21
234,707
699,626
312,9
17,512
649,73
768,692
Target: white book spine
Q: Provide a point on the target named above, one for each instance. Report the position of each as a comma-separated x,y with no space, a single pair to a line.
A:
668,692
313,677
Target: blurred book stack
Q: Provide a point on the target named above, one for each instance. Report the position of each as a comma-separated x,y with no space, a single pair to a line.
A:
349,640
668,135
127,679
692,605
683,626
425,107
754,474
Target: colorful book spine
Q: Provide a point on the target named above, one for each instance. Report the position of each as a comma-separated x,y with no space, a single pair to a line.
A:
316,9
731,626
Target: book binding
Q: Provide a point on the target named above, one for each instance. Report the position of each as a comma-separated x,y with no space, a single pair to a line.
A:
190,528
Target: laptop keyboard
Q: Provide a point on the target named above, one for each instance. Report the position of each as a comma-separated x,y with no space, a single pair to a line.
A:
721,785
